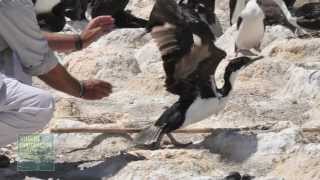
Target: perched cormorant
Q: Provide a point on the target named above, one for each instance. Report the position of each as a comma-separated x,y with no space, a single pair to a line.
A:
250,27
276,12
253,15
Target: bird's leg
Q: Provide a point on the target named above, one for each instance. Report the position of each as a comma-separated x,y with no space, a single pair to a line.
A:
157,144
154,145
150,145
176,143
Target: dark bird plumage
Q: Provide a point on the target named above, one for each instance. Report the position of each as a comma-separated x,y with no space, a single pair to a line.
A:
233,176
308,16
52,20
51,14
237,176
116,8
175,28
75,9
289,3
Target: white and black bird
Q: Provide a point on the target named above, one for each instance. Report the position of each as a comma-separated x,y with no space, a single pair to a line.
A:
252,16
190,58
236,6
204,101
250,27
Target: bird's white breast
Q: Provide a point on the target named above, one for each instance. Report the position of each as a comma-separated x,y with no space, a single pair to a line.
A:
203,108
251,30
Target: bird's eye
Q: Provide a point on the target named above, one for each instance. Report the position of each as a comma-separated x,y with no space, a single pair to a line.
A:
201,5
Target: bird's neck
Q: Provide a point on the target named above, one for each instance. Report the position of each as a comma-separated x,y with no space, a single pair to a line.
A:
229,79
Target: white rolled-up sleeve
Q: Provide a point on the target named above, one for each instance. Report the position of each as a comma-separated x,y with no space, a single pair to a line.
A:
20,31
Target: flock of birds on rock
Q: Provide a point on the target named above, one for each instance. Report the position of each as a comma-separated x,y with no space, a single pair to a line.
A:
184,33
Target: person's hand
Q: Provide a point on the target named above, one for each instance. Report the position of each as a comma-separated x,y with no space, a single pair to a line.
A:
96,28
96,89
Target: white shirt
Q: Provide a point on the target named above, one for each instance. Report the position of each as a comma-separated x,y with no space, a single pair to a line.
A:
20,33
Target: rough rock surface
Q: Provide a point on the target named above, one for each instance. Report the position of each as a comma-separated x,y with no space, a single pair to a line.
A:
278,96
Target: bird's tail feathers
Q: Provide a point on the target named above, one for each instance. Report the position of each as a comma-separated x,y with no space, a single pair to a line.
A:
149,136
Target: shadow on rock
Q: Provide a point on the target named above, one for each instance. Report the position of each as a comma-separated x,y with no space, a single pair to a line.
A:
86,170
231,145
97,140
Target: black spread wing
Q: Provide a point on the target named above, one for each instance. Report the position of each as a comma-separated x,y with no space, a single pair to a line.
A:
171,32
173,28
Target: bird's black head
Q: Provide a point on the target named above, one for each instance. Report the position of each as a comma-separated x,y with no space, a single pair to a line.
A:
206,4
75,9
206,7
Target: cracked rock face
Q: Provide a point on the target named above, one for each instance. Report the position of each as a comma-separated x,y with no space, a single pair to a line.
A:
279,94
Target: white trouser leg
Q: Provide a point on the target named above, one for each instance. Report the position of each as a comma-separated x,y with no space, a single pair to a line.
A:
24,109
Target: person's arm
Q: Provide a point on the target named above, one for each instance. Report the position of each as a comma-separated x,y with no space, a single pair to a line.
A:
61,80
67,42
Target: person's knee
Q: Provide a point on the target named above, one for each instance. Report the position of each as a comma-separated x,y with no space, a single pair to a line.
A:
45,100
44,106
47,103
